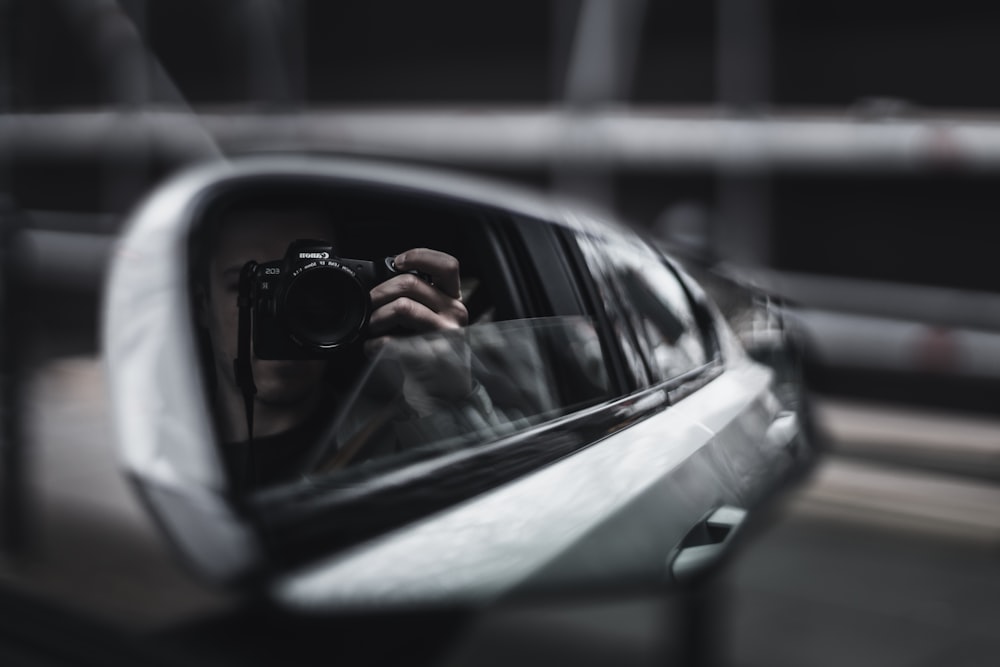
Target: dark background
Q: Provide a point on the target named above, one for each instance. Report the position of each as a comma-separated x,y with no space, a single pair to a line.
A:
821,54
848,59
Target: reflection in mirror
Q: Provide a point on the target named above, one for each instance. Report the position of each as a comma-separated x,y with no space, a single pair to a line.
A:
284,393
455,389
361,336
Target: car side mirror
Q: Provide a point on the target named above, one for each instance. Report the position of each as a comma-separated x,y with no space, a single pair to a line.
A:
275,396
164,422
369,386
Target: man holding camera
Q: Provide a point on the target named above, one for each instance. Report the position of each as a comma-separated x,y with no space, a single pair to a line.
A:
293,398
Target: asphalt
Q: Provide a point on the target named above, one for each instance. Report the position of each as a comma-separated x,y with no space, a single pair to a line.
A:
820,591
889,555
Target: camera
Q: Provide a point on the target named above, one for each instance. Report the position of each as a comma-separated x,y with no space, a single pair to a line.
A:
311,302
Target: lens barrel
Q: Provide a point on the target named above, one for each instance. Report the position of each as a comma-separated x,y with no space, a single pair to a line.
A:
324,306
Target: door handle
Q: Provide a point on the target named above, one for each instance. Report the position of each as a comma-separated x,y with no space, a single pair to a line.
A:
705,546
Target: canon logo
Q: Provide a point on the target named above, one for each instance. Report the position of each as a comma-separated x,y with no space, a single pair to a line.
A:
314,255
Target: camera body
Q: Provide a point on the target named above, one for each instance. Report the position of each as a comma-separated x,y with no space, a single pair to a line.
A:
311,302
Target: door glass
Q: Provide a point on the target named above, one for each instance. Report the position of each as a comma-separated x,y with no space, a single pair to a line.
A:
424,396
346,328
604,272
641,289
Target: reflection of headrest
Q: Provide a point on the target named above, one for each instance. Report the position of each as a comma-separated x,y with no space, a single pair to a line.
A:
651,307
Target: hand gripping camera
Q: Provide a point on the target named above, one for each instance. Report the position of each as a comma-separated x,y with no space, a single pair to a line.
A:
311,302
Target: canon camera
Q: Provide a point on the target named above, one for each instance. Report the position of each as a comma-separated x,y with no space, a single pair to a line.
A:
311,302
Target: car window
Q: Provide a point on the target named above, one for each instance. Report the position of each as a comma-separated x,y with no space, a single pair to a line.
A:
640,289
602,270
524,372
348,358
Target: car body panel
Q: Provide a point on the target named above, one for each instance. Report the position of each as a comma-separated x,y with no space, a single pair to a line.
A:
609,514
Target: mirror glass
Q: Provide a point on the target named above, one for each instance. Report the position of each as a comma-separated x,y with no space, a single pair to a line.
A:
350,333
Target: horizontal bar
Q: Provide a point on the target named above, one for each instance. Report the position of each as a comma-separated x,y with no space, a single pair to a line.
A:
542,137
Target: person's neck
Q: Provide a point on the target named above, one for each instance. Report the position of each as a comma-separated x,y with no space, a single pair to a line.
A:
268,419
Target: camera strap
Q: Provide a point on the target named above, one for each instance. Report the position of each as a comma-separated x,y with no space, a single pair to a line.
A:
241,365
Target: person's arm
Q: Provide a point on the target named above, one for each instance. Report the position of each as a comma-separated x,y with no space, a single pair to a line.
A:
410,304
438,380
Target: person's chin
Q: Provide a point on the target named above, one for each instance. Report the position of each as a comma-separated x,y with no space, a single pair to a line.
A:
284,395
286,382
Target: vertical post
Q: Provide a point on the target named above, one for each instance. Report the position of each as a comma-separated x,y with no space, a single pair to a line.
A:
125,62
702,630
276,52
743,85
599,72
13,487
743,45
563,15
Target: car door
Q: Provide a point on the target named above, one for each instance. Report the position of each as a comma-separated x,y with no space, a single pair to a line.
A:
696,439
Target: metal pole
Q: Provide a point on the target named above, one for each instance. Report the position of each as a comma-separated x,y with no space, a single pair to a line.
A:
14,501
275,45
599,74
126,62
13,498
743,85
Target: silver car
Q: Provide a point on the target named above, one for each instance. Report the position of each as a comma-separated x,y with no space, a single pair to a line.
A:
597,423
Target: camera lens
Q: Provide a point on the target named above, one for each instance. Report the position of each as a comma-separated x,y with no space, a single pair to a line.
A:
324,307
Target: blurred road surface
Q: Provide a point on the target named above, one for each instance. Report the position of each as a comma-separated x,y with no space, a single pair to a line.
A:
889,556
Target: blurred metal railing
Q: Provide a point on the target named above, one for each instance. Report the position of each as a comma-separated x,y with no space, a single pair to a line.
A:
627,138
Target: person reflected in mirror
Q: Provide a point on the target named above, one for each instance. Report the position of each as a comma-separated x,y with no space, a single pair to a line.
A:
295,398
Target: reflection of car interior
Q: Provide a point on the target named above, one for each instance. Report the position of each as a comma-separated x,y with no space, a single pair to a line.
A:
585,391
527,373
376,224
384,228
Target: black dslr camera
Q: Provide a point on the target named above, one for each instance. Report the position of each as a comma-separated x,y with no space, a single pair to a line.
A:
311,302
